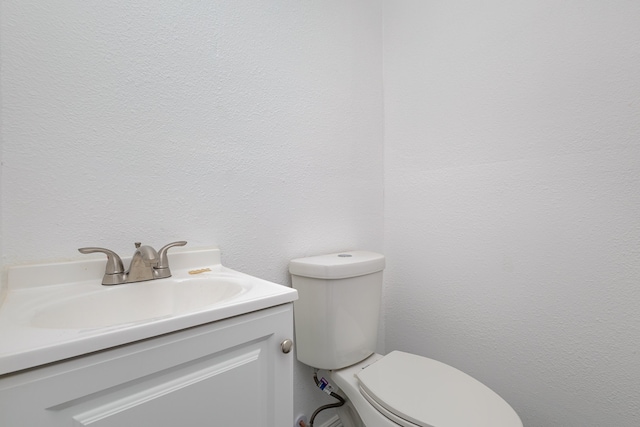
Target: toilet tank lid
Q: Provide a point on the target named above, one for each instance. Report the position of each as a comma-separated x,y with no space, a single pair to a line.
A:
339,265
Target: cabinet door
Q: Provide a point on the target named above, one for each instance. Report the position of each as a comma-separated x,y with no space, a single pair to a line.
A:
230,373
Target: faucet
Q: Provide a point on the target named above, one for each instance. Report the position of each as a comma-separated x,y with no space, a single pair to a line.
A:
146,264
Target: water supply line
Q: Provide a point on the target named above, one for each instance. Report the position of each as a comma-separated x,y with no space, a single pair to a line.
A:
322,385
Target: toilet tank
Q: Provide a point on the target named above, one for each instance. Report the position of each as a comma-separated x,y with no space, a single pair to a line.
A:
336,314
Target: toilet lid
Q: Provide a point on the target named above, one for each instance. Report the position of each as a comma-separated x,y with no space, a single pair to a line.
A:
414,390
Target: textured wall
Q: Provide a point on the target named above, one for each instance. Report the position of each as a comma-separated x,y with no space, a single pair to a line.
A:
512,165
252,125
512,192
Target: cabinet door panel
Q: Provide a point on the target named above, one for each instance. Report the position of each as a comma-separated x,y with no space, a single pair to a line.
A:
213,392
227,373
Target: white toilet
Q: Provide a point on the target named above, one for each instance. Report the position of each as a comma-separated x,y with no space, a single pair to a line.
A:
336,321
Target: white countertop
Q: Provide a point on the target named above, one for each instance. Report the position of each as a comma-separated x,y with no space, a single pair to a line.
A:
27,341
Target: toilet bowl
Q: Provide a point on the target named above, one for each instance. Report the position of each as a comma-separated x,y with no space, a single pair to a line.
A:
336,319
409,390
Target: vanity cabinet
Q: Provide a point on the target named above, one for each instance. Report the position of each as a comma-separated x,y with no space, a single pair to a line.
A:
232,372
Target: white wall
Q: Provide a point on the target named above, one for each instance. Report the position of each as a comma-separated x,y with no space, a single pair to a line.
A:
252,125
511,174
512,193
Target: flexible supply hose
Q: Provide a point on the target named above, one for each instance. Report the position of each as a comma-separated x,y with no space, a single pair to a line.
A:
328,406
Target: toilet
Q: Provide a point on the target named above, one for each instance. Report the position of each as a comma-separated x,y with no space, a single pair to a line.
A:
336,327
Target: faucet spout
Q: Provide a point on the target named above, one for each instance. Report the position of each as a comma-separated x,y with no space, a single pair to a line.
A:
148,254
144,259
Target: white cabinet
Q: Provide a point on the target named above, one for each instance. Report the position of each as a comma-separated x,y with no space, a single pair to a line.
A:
231,372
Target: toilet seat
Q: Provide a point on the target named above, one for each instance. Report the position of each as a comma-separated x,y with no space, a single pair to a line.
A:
415,391
390,415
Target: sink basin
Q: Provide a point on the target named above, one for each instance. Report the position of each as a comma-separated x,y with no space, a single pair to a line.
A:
139,302
55,311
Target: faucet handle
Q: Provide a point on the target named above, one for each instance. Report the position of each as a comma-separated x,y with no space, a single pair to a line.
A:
114,271
162,253
114,263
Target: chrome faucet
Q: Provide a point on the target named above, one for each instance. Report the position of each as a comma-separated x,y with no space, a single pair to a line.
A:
146,264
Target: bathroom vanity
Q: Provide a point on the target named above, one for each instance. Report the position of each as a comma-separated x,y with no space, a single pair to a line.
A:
225,364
